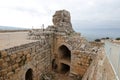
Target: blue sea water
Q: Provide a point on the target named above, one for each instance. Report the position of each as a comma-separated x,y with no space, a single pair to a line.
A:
95,33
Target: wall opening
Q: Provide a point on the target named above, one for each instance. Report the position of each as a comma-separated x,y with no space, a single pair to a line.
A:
54,65
29,75
65,68
65,53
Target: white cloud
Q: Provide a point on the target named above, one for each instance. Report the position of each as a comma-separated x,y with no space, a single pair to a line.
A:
28,13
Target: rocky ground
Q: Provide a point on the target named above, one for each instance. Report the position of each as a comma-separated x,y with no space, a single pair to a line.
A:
57,76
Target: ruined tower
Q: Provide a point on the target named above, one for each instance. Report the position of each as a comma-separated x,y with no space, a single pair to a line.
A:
62,21
69,49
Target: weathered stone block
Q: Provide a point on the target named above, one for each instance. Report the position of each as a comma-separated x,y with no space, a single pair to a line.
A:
28,56
10,73
20,54
4,71
7,59
5,65
18,59
13,56
9,69
24,58
15,66
1,61
3,53
17,70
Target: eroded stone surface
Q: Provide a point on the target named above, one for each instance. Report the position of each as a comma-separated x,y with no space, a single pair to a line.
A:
57,49
62,21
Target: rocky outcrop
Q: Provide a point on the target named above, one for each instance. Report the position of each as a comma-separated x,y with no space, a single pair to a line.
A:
62,21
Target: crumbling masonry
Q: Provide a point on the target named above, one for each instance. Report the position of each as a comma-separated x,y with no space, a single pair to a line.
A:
58,48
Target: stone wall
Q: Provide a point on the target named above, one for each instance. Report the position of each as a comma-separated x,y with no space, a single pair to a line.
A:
80,62
60,49
15,61
100,68
98,44
81,53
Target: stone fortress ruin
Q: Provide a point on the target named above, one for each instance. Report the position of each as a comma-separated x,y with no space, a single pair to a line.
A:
55,51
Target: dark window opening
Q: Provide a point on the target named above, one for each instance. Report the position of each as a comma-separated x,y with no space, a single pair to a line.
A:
65,53
65,68
54,65
29,75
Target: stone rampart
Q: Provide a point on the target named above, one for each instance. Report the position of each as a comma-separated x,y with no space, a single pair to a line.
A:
15,61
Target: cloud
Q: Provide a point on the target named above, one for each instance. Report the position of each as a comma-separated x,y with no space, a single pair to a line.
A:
87,13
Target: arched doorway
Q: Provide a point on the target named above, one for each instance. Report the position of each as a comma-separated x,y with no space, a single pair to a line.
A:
29,75
64,59
65,53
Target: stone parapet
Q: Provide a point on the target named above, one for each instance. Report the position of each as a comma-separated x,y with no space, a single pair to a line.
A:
15,61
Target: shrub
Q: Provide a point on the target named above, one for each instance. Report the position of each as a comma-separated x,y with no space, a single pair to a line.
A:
118,38
107,38
97,40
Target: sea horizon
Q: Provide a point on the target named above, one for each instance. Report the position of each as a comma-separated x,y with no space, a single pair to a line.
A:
97,33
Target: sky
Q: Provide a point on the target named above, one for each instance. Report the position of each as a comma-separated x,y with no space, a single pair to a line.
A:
84,13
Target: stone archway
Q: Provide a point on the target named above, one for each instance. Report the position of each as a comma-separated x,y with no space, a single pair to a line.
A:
64,59
29,75
64,53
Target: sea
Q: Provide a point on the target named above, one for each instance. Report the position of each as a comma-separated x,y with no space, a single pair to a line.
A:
97,33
